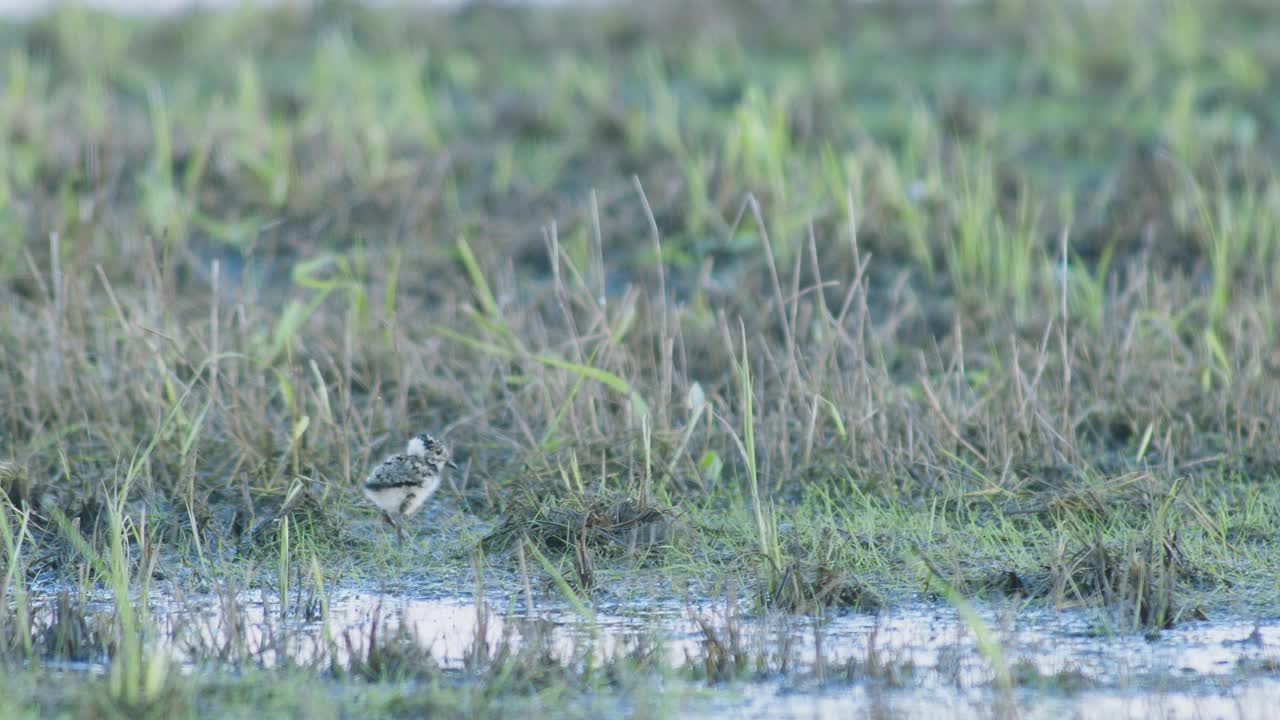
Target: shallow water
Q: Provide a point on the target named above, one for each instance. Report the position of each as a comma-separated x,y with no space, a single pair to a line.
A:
916,661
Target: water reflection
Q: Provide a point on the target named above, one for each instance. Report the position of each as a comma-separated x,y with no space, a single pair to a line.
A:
919,660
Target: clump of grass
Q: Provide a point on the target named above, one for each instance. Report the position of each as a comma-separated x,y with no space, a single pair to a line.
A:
732,650
600,524
723,656
379,655
1140,582
302,505
808,587
816,575
67,630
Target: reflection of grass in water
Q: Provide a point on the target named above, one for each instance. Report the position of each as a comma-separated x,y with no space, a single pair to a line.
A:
1013,308
523,661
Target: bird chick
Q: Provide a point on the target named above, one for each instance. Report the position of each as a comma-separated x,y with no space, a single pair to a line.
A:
402,483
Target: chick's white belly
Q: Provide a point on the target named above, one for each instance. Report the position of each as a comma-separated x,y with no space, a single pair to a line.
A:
410,497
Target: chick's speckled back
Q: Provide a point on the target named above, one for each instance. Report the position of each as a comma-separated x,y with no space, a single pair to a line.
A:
399,470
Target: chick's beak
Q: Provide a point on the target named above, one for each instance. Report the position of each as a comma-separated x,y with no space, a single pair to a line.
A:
451,463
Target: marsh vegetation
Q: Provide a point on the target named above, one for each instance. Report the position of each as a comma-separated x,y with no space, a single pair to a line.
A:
805,362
